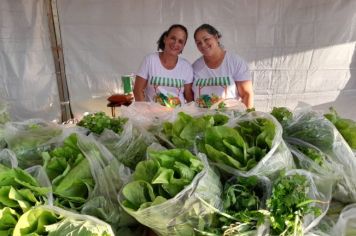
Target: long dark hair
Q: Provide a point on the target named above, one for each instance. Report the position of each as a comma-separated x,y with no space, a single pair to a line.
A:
160,41
208,28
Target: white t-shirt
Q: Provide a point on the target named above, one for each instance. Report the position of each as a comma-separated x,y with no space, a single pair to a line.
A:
165,86
213,85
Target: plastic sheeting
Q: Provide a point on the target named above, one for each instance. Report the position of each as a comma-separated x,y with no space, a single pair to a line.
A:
27,75
297,50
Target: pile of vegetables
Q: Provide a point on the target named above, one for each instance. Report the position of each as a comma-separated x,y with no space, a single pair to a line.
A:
160,178
168,189
69,172
216,173
346,127
289,204
19,191
99,121
242,146
243,200
183,132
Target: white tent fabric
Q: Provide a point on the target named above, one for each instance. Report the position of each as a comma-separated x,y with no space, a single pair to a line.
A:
297,50
27,75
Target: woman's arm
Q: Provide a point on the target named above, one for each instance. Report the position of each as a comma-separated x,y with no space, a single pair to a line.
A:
188,92
245,92
139,89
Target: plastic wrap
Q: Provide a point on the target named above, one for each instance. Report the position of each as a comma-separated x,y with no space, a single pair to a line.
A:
184,212
320,192
230,215
130,146
323,166
40,175
8,158
278,157
145,114
29,138
109,176
52,220
346,224
313,128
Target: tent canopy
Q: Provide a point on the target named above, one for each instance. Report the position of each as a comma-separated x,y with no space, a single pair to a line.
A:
296,50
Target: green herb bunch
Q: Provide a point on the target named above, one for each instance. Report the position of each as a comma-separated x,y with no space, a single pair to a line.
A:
282,114
99,121
288,205
241,208
316,155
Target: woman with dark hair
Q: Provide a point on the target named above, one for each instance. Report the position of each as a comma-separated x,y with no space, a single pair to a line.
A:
165,77
219,74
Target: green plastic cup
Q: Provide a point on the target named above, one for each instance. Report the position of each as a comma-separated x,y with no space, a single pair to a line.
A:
127,83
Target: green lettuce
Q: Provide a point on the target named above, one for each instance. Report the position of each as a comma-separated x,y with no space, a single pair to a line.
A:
52,222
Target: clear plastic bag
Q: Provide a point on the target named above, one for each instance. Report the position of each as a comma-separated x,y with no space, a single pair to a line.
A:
109,176
313,128
130,146
40,175
278,158
145,114
28,139
319,191
4,115
236,192
53,221
181,214
8,158
346,224
323,165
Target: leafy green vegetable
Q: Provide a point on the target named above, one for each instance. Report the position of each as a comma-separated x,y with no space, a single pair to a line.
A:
312,128
48,221
76,184
258,132
70,173
29,139
241,208
346,127
289,204
58,160
19,192
137,193
161,177
8,220
314,154
184,131
99,121
241,147
283,115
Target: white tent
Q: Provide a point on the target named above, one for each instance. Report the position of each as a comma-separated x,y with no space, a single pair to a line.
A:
297,50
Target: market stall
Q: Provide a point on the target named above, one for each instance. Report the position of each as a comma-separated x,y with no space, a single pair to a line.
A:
79,156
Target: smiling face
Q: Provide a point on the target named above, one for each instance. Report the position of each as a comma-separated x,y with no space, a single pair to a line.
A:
207,44
174,42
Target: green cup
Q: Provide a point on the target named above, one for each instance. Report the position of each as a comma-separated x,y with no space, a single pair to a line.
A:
127,83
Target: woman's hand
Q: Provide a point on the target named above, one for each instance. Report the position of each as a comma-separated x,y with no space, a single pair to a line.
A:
245,92
139,89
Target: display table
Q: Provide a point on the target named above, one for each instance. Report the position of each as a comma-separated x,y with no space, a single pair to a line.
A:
118,100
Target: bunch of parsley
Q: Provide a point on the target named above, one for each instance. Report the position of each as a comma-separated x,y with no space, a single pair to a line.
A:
289,204
99,121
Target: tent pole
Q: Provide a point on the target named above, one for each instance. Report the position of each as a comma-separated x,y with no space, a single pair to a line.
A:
57,52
